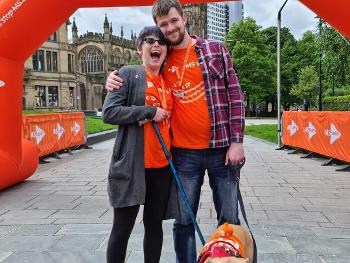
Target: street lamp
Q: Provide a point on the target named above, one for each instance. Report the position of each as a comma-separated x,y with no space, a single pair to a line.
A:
320,65
279,74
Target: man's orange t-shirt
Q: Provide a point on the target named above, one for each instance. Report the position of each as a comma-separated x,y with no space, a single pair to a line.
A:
157,94
190,121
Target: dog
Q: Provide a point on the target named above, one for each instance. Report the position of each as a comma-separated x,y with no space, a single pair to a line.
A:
229,244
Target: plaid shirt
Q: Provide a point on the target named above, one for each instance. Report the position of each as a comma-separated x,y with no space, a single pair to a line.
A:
224,95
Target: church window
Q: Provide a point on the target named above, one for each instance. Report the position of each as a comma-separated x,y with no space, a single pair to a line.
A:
91,59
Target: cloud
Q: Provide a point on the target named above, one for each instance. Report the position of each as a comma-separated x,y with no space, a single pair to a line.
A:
295,16
132,18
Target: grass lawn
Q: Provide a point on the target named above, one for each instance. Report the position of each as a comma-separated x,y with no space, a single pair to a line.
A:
93,124
36,111
266,132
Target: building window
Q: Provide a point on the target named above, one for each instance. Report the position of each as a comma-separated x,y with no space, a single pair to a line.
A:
71,63
53,37
40,96
39,60
91,59
71,96
54,62
53,96
48,61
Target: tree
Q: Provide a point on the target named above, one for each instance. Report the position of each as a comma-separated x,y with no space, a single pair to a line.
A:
289,61
336,60
252,58
306,88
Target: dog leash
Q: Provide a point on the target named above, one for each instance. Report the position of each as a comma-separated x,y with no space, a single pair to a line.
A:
241,204
178,182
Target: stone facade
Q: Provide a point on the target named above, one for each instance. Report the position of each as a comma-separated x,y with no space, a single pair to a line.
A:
64,76
196,19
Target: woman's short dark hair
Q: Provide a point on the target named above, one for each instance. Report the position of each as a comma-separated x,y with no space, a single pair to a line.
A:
150,31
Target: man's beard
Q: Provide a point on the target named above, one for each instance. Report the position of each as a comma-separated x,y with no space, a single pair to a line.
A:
179,40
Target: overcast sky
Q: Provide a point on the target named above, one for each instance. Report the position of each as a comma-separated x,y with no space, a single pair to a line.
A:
295,16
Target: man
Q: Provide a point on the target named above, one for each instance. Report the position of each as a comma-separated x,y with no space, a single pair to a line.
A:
207,121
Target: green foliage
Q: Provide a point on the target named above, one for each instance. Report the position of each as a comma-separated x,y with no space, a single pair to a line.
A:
253,60
254,49
289,61
135,62
306,86
337,99
266,132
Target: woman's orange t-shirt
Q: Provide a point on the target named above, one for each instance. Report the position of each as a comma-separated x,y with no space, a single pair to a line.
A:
157,94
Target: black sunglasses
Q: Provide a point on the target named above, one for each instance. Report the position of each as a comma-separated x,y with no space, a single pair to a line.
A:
152,41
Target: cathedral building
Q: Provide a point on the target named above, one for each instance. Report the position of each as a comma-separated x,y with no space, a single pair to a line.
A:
69,75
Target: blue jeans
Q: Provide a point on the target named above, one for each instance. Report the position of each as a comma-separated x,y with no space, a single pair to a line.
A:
191,166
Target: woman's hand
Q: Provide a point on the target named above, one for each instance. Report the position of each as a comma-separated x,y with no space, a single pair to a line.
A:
161,114
114,81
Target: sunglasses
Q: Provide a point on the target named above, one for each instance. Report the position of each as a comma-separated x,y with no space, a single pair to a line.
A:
152,41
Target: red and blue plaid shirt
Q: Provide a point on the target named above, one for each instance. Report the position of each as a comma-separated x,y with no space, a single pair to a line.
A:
224,95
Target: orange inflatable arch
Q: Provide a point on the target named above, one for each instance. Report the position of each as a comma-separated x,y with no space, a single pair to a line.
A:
26,24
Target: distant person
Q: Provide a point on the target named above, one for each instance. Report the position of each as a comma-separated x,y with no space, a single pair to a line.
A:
306,103
258,111
139,172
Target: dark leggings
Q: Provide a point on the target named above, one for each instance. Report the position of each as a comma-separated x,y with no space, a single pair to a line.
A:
157,194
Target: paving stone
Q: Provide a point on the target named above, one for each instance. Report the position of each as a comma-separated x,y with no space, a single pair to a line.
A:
34,214
27,243
307,245
288,258
79,213
335,259
274,244
286,231
36,230
82,229
78,257
4,230
28,257
297,215
78,243
26,221
4,256
331,233
278,207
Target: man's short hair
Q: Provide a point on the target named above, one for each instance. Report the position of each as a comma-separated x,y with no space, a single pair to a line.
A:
162,8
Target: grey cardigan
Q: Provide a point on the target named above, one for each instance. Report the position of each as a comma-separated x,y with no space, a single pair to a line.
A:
125,107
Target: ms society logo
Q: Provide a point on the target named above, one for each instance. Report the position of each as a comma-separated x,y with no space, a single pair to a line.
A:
333,133
2,83
38,134
310,130
293,128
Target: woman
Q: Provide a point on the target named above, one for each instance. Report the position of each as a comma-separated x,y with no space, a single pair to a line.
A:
139,172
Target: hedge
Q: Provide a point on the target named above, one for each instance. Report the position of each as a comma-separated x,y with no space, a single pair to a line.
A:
337,103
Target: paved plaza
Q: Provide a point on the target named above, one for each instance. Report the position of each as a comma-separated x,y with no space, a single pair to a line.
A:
298,210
